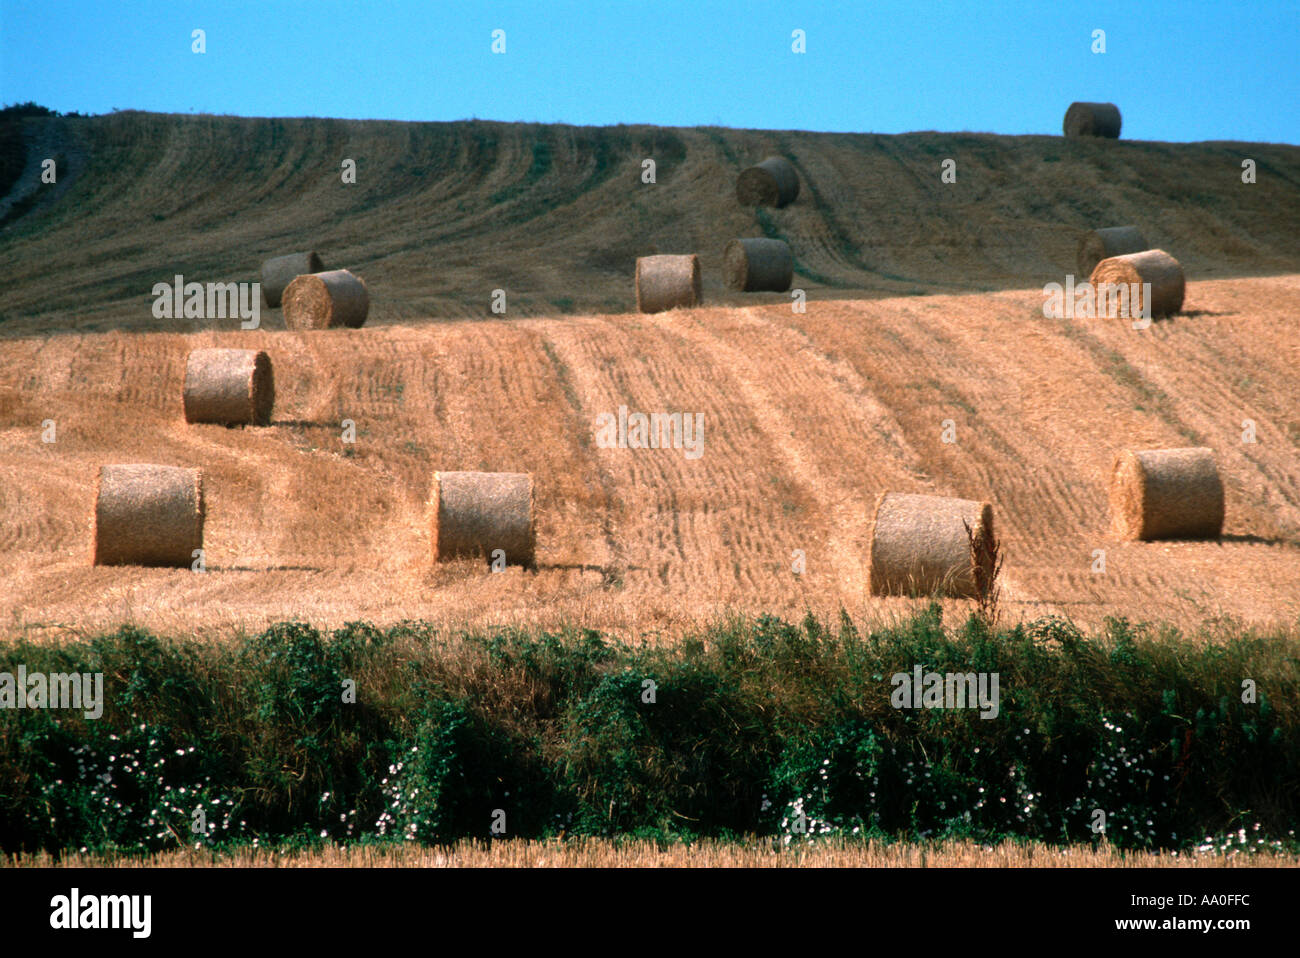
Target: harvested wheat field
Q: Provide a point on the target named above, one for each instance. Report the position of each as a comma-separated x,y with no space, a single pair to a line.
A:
807,419
599,853
924,319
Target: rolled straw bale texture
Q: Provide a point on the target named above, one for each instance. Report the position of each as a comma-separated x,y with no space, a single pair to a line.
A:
229,386
1097,245
475,513
1153,266
773,182
147,515
1166,494
919,546
751,265
1093,119
666,282
326,300
279,271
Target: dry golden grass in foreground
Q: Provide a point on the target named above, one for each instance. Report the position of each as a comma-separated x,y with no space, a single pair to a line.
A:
598,853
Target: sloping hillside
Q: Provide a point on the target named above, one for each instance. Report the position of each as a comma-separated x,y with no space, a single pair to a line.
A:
807,416
444,213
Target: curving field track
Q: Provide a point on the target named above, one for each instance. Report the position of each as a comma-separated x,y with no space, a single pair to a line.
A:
807,416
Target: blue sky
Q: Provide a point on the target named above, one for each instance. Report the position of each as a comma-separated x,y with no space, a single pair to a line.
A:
1179,69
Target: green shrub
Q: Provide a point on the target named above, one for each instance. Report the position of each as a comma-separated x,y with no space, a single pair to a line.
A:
754,726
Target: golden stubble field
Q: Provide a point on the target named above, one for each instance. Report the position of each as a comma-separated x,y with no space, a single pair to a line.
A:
924,306
807,417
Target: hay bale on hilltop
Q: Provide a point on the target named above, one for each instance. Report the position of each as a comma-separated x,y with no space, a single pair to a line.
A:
279,271
920,546
326,300
1093,119
1166,494
472,514
229,386
758,264
773,182
1153,266
667,282
1097,245
147,515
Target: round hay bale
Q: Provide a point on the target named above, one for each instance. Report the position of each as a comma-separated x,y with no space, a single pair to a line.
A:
279,271
1097,245
1166,494
773,182
667,282
1093,119
753,265
147,515
475,513
229,386
919,546
1153,266
326,300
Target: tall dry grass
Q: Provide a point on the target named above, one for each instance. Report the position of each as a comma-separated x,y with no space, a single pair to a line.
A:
600,853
